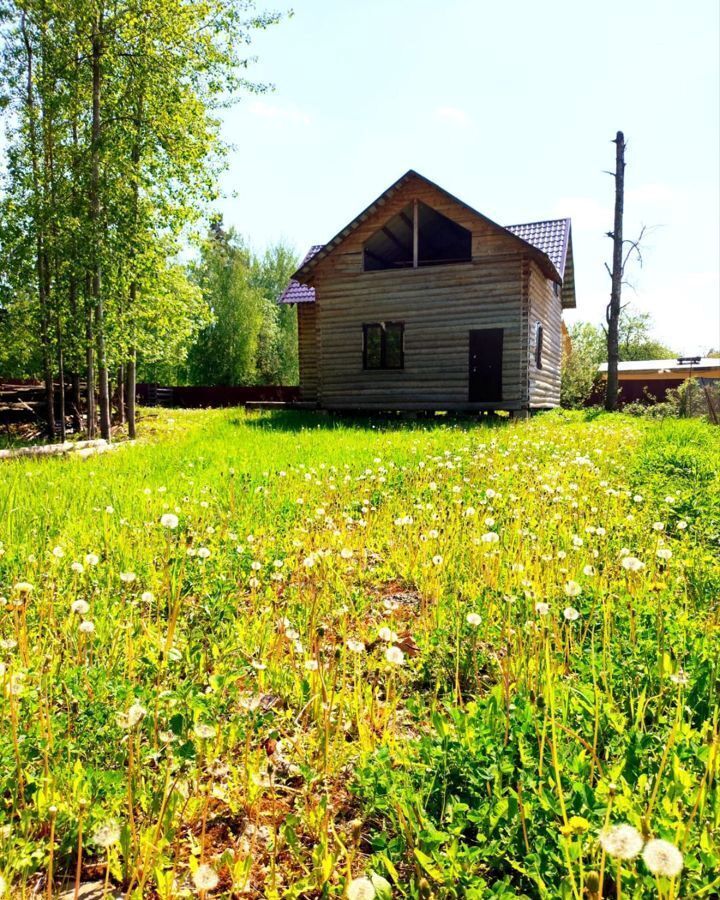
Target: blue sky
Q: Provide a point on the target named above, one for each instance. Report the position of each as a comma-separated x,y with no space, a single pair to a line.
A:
511,107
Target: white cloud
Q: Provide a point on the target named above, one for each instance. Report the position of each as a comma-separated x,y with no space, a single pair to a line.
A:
453,114
282,115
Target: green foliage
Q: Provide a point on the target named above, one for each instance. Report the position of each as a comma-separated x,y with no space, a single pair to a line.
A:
251,338
589,349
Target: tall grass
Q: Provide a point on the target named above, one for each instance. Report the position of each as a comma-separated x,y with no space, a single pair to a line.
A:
279,655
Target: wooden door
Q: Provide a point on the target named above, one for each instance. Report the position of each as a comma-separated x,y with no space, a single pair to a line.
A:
485,376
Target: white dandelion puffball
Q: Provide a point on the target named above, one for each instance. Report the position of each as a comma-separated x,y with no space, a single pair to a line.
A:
589,571
80,607
147,596
127,577
473,619
91,559
490,537
387,634
542,609
573,589
205,732
78,567
86,627
437,560
663,858
311,665
632,564
664,553
361,889
571,614
203,553
133,716
621,841
169,520
394,656
23,587
355,646
107,834
58,552
205,878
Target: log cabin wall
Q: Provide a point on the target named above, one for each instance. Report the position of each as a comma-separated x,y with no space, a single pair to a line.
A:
438,305
544,307
308,351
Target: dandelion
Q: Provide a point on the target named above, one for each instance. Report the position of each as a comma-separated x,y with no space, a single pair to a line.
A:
394,656
632,564
91,559
682,525
204,731
24,588
663,858
133,716
80,607
542,609
621,841
387,634
205,878
473,619
311,665
355,646
86,627
571,614
573,589
680,677
78,568
437,560
490,537
361,889
664,553
58,552
169,520
203,553
147,596
127,577
107,834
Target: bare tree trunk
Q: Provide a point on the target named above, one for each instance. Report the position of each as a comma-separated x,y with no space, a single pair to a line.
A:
97,295
130,392
614,307
76,402
61,379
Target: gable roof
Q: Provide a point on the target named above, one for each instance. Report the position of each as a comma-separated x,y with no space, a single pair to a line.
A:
550,241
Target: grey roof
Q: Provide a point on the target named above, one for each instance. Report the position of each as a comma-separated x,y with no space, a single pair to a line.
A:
664,366
296,292
551,236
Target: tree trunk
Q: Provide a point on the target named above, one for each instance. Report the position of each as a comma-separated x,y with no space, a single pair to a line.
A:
90,368
614,307
38,215
61,378
130,392
121,395
103,380
76,402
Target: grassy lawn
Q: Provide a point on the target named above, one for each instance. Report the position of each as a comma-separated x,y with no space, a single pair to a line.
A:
269,655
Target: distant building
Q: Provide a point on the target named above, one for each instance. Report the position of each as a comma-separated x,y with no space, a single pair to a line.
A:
423,303
655,377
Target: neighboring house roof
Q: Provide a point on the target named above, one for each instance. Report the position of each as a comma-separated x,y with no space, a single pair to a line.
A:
551,239
664,366
296,292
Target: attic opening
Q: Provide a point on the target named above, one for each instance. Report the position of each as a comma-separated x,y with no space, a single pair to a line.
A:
417,236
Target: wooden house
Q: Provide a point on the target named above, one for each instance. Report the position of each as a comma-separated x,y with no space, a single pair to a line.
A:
423,303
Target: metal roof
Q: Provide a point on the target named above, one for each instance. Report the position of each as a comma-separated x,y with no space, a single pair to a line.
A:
296,292
550,236
663,366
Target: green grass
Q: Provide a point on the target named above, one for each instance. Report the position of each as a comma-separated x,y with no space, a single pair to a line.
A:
421,650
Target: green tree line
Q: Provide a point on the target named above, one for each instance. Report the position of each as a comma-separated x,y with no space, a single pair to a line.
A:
112,152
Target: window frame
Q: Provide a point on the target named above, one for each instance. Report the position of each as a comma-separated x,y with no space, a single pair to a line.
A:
383,326
539,341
